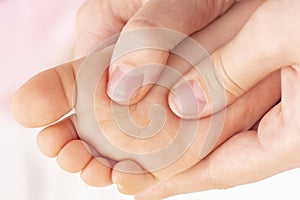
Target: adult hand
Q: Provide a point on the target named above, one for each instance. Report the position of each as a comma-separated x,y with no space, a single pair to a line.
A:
98,20
266,43
48,96
274,147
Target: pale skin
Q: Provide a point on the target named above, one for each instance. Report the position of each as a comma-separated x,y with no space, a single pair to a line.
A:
251,155
99,19
274,146
52,91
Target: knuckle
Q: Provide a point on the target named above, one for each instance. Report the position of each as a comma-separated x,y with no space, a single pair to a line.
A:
232,89
139,22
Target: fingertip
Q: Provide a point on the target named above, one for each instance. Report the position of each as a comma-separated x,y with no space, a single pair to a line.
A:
128,85
133,74
124,83
188,100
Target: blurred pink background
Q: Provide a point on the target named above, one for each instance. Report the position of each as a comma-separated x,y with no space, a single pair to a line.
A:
36,35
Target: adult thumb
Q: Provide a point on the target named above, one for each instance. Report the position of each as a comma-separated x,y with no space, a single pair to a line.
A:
232,70
146,40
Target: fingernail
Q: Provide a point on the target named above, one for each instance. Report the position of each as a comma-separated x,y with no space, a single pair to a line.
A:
124,83
187,99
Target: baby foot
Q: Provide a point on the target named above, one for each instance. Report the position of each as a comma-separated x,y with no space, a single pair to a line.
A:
48,96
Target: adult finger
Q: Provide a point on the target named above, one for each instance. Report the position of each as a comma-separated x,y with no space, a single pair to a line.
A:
96,21
246,110
238,157
235,68
177,15
233,20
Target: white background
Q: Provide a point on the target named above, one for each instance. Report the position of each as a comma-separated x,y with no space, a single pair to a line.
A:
35,35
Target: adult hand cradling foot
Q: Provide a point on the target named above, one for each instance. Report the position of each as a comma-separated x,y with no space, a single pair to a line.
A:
48,96
268,42
61,139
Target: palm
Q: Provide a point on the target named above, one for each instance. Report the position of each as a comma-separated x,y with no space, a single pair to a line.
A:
252,155
275,143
